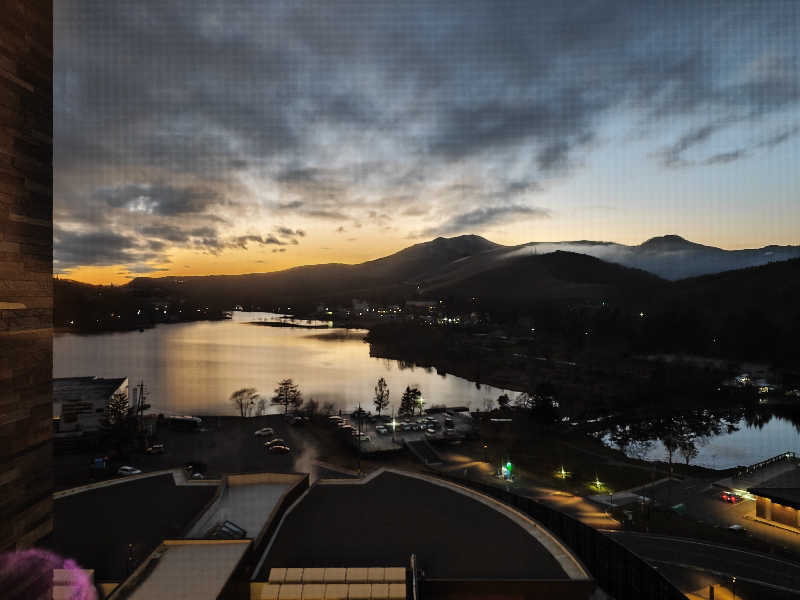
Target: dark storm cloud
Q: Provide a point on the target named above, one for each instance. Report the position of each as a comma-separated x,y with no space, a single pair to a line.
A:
483,217
161,200
166,232
97,248
337,105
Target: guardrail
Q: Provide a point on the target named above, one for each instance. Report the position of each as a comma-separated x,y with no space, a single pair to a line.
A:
618,571
765,463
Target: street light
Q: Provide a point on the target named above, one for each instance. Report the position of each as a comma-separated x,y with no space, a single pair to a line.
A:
734,588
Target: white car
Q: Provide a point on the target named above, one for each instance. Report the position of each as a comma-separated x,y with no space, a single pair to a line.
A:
128,471
266,431
381,430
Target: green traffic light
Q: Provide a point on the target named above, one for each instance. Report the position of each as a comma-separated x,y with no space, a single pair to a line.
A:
508,465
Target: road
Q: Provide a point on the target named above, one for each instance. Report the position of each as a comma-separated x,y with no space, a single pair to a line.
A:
746,566
703,503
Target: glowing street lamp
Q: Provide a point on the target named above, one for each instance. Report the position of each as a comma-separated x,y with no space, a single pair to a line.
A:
394,426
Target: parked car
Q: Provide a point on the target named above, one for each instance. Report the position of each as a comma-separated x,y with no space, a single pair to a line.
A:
155,449
279,449
335,418
198,476
381,430
364,437
430,430
297,421
265,431
275,442
126,470
343,423
737,528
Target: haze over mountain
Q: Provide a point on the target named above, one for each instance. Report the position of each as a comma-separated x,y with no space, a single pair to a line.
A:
671,256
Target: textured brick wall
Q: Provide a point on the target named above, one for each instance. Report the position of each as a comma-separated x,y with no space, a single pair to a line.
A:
26,267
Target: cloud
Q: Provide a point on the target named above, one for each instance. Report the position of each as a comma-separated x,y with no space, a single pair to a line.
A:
478,219
144,268
160,200
779,138
97,248
171,118
242,240
673,155
724,157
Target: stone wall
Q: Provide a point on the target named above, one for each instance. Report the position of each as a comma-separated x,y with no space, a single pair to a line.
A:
26,267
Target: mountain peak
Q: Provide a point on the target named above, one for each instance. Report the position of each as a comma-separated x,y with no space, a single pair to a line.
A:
667,242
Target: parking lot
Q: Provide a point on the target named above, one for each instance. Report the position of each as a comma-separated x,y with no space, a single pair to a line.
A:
222,445
381,434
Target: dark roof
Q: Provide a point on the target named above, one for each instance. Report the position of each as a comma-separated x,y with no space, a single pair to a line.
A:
783,488
384,521
95,527
73,388
785,496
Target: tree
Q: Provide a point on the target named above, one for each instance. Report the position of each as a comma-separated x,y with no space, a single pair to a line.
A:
244,400
409,401
328,408
503,401
261,408
288,394
117,409
670,441
688,449
311,407
381,395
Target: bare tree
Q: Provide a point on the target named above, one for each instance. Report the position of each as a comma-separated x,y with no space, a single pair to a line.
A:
328,408
381,395
244,400
117,409
288,394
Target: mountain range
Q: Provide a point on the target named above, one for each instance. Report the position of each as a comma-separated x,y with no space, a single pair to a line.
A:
470,264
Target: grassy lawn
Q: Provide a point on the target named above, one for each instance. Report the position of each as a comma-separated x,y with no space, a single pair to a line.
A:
540,456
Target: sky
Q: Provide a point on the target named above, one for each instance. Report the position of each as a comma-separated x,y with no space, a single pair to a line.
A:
200,137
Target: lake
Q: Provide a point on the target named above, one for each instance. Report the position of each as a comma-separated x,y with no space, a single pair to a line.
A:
747,446
192,368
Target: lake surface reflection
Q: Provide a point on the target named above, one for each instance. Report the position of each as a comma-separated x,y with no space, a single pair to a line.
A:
192,368
747,446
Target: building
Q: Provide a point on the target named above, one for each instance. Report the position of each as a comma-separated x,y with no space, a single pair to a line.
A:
26,271
79,403
267,536
778,499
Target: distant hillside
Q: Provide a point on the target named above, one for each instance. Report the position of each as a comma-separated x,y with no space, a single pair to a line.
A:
389,277
558,275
